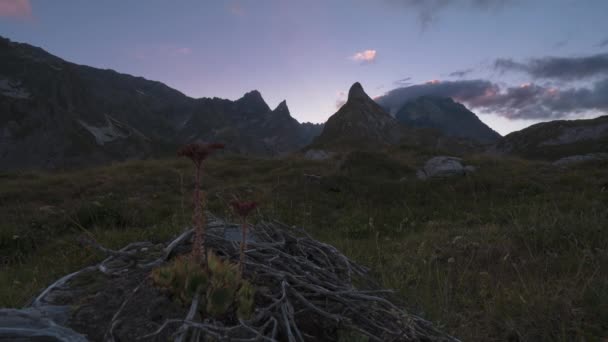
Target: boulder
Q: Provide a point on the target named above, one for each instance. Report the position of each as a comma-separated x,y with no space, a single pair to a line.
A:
33,324
317,155
444,166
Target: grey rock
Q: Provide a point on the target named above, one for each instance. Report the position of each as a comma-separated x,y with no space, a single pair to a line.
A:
576,159
317,155
569,135
33,324
443,166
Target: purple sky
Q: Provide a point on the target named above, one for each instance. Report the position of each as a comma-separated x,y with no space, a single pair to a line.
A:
310,52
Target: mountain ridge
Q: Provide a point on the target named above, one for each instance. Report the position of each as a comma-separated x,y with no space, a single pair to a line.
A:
556,139
58,114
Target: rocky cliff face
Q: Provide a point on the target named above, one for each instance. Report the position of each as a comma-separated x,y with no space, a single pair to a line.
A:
56,114
557,139
359,122
446,115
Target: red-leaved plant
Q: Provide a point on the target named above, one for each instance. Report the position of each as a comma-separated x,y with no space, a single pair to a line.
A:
243,208
198,152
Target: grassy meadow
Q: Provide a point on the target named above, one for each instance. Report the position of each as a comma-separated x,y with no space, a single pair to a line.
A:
516,251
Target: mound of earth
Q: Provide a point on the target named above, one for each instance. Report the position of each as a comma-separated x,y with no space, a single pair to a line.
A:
305,291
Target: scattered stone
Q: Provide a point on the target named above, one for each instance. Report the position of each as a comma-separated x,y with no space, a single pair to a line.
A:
317,155
444,166
580,158
36,324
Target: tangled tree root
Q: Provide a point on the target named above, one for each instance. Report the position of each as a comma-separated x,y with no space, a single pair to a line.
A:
306,291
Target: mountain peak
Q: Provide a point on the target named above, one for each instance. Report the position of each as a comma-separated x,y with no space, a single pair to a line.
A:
443,113
360,122
253,102
254,94
282,110
282,106
356,92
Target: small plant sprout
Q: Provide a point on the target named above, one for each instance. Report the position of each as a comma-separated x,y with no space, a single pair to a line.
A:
198,152
243,208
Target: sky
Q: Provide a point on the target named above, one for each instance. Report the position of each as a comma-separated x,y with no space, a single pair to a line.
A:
513,62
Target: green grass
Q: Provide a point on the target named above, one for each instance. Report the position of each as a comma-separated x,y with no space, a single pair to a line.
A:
517,250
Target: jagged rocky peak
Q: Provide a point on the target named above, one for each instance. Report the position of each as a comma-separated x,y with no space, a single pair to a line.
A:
282,108
252,96
356,92
253,102
281,112
360,122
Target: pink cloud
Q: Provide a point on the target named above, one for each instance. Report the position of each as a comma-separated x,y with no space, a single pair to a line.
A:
236,9
15,8
365,56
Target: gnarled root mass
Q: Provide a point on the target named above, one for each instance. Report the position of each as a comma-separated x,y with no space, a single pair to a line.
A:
306,290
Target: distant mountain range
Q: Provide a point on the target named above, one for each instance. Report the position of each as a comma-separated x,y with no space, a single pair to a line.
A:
56,114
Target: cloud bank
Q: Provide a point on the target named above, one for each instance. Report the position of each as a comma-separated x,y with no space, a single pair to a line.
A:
558,68
527,101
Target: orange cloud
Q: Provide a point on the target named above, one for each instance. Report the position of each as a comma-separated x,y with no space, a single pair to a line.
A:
365,56
15,8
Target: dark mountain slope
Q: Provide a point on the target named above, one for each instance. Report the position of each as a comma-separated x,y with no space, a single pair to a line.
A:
56,114
557,139
359,122
446,115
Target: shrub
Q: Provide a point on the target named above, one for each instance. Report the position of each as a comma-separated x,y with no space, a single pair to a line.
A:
222,288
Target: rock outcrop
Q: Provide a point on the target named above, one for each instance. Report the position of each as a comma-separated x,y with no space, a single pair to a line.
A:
443,166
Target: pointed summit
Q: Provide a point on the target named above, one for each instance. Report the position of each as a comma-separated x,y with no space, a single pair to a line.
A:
359,122
282,107
282,111
356,92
